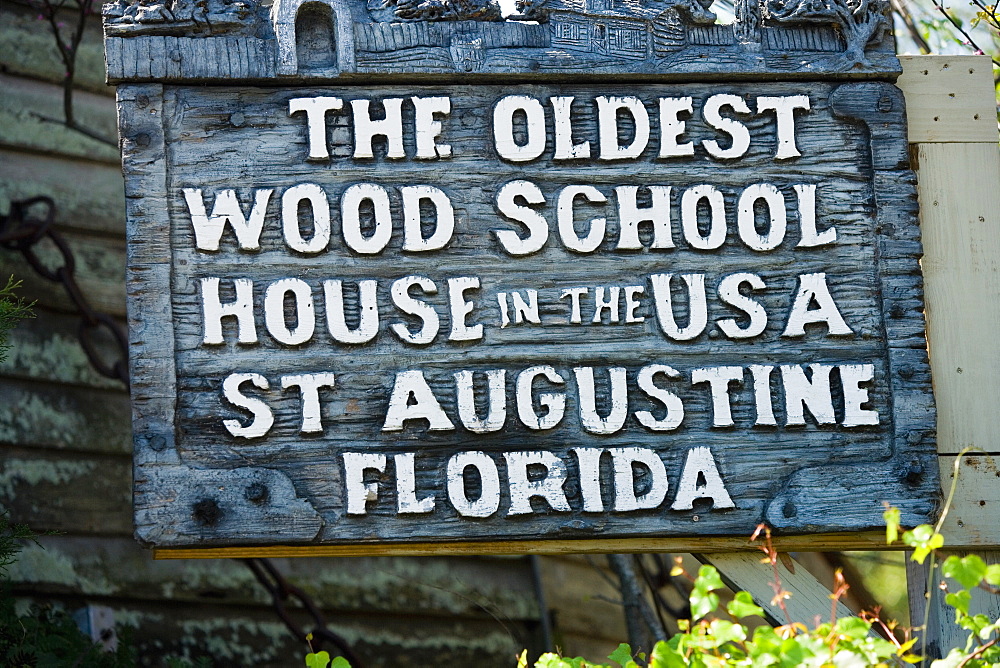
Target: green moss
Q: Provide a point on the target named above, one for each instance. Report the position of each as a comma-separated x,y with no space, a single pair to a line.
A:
38,565
15,473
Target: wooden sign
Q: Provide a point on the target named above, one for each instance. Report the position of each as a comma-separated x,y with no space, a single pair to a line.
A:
416,274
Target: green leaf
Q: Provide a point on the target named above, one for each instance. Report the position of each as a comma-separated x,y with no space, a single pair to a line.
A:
340,662
726,631
666,655
702,603
955,658
959,600
742,605
622,656
993,574
852,627
891,517
317,659
708,578
924,540
968,571
522,660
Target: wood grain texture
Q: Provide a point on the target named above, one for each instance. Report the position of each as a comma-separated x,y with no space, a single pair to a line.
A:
809,598
949,99
350,41
834,542
818,480
26,102
88,196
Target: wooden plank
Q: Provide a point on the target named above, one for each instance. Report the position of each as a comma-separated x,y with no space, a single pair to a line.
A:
118,568
862,540
99,265
949,98
586,602
960,226
38,413
973,518
809,601
24,100
46,348
27,48
61,491
255,636
88,196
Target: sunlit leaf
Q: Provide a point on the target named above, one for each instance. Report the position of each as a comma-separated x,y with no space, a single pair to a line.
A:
743,605
968,571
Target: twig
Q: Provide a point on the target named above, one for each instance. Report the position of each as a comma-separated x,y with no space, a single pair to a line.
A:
977,653
911,27
958,26
68,52
73,125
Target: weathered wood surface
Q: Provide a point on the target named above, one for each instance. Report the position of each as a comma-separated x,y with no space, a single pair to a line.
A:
57,414
814,477
61,491
24,105
833,542
39,414
809,599
97,271
88,196
285,42
27,49
47,349
959,167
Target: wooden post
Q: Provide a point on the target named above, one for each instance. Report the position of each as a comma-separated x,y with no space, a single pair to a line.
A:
953,130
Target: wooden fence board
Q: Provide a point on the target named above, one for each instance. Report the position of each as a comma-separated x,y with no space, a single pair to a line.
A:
88,196
38,414
26,102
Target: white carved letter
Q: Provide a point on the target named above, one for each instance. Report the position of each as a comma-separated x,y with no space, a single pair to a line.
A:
697,306
390,127
315,108
320,214
263,419
587,389
554,404
428,129
274,311
549,487
503,128
359,492
489,478
213,311
736,130
701,464
411,385
607,119
309,384
538,228
564,217
813,287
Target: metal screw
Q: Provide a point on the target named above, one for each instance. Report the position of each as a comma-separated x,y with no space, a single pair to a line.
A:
257,493
207,512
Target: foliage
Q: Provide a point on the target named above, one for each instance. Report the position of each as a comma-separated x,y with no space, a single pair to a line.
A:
45,636
13,309
964,575
718,638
